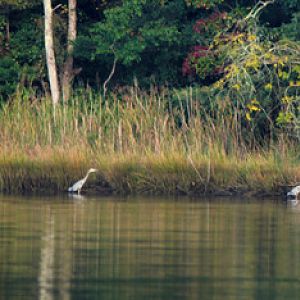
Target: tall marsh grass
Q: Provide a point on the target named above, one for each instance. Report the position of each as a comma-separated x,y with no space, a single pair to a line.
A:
162,142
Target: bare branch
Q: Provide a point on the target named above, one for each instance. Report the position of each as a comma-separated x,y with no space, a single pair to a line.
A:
260,5
109,77
56,7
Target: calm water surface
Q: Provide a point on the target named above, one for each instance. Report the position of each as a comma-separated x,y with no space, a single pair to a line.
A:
63,248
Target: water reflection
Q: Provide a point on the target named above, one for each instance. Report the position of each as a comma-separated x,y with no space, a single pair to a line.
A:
148,249
46,277
75,196
293,203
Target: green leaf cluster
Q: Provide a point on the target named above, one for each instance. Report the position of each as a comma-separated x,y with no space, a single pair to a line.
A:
9,76
128,30
19,4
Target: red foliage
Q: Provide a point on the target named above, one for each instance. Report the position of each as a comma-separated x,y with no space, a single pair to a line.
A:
191,60
199,51
187,68
201,24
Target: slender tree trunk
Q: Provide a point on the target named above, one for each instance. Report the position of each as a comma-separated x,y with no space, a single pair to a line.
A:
50,54
68,72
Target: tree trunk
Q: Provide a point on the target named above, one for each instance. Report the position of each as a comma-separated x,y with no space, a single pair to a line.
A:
50,54
68,72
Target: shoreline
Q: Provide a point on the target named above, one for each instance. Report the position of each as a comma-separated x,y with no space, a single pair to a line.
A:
141,147
100,192
156,175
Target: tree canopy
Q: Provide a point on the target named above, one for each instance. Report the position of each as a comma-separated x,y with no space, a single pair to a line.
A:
166,42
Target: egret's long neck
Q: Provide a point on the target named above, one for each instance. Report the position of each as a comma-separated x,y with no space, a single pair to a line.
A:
87,175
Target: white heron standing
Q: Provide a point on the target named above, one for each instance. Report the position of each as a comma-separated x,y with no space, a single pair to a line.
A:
77,186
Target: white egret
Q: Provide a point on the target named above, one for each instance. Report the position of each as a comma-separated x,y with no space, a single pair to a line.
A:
77,186
294,194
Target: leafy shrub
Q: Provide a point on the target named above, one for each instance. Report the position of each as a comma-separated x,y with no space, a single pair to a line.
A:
9,76
260,76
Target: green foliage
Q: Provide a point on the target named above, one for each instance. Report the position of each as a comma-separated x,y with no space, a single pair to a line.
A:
145,32
125,34
20,4
9,76
249,62
262,78
21,50
2,38
259,75
291,30
290,4
207,4
27,43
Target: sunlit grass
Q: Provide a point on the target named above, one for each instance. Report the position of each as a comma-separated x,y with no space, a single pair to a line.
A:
141,143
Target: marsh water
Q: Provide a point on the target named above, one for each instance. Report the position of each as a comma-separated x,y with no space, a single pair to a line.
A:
112,248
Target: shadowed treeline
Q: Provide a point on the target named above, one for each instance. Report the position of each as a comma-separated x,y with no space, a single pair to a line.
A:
148,249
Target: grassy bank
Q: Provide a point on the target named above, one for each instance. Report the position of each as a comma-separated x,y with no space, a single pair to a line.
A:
141,143
54,169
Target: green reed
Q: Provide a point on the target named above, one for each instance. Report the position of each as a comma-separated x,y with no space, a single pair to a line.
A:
162,142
